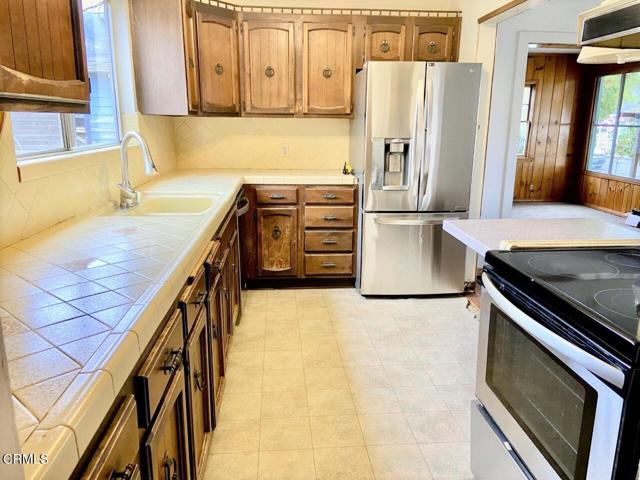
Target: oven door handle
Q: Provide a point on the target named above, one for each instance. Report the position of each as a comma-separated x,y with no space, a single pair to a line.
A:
553,341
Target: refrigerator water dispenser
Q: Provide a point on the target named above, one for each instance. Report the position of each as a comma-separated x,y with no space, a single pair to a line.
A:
391,156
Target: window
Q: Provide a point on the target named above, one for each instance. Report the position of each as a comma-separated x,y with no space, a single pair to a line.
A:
614,146
37,134
526,113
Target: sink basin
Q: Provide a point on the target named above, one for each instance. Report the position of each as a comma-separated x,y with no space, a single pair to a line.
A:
157,205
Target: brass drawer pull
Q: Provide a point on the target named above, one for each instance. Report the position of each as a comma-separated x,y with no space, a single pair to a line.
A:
269,71
170,464
129,473
384,46
277,196
329,196
329,241
432,47
328,264
277,233
327,72
330,218
172,362
200,297
199,378
219,68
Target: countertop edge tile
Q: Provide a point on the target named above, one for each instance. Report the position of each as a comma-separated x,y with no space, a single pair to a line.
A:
59,444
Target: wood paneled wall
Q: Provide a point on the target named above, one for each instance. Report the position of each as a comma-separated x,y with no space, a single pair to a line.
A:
549,172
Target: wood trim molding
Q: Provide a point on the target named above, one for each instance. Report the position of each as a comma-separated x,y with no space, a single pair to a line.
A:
501,10
333,11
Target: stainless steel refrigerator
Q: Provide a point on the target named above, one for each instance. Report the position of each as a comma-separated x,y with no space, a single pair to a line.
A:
412,143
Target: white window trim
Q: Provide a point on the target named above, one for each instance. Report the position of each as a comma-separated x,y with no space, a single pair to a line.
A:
45,164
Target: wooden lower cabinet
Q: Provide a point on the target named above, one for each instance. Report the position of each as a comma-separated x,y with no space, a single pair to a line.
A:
281,241
234,280
165,448
199,397
277,231
117,455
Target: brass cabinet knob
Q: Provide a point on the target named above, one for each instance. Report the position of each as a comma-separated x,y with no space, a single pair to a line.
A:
384,46
327,72
219,68
269,71
277,233
432,47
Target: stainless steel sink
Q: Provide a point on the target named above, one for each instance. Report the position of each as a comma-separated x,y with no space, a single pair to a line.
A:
171,205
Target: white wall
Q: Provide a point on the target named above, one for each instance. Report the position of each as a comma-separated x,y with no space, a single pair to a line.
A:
553,21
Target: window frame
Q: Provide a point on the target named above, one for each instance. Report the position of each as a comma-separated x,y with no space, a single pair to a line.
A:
67,120
595,77
531,113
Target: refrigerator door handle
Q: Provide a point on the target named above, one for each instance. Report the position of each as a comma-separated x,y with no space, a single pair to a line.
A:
407,223
417,141
426,167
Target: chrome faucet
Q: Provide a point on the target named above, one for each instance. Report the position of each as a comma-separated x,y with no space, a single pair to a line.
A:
128,196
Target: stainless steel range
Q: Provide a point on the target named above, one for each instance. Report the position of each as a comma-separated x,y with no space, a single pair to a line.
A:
558,393
412,142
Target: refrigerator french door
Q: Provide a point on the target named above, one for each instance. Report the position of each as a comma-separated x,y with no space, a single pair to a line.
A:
412,143
553,401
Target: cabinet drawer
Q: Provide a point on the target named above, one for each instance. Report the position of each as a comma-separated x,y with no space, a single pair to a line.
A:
193,299
277,195
330,217
118,453
329,195
328,264
328,240
164,359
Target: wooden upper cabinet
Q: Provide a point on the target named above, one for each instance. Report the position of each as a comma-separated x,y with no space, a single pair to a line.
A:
269,67
384,42
434,42
327,68
42,57
218,63
277,231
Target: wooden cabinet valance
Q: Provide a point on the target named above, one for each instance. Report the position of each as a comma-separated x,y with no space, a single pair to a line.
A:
253,63
42,56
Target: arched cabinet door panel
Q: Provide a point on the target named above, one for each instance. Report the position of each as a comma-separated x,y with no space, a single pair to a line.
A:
384,42
277,229
327,68
218,63
269,67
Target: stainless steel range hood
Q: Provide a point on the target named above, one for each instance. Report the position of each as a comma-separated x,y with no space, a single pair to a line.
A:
613,24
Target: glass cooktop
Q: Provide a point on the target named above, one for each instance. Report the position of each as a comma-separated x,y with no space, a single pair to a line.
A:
602,283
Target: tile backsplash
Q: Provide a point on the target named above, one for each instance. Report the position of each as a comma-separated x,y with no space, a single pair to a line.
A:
32,206
261,143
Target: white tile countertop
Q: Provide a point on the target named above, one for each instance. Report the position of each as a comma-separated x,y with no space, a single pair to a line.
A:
495,234
81,301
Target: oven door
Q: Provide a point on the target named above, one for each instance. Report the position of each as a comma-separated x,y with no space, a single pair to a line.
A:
545,394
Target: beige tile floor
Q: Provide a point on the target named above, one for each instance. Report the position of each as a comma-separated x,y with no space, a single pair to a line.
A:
324,384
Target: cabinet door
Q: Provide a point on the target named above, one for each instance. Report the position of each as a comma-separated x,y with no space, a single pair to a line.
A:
218,63
327,68
225,315
117,455
433,42
384,42
216,361
269,69
199,396
191,56
234,280
277,241
42,56
165,446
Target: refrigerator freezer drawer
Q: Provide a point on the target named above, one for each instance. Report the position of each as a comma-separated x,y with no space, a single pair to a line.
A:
410,254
